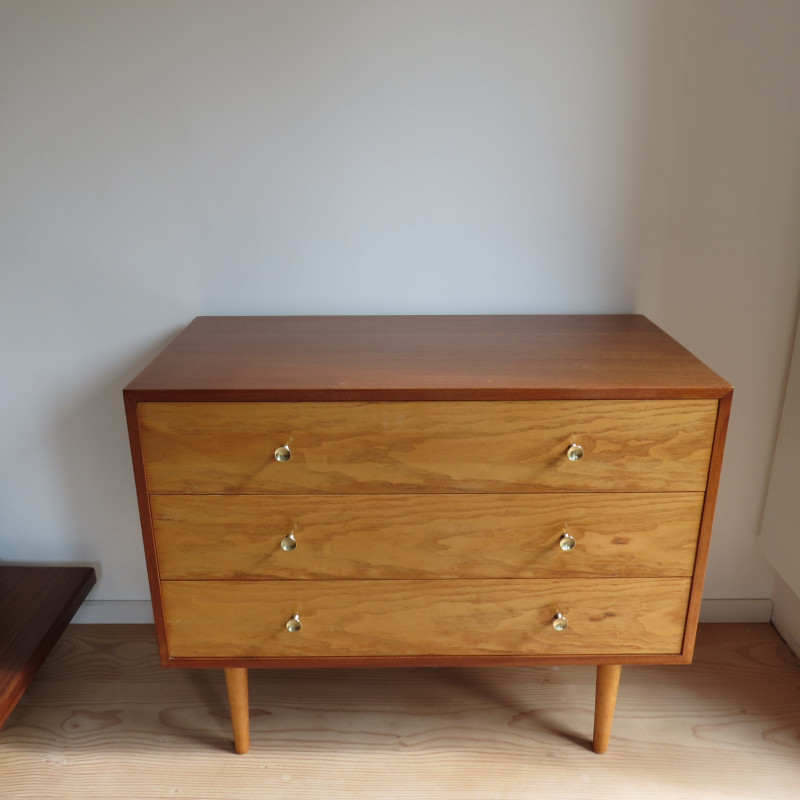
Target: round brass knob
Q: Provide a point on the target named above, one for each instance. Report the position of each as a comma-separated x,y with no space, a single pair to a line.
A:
566,542
560,622
574,452
293,623
288,543
283,453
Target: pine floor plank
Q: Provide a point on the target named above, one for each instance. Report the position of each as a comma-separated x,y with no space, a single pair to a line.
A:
103,719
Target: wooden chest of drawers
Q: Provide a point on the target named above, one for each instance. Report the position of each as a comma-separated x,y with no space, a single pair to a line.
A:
334,491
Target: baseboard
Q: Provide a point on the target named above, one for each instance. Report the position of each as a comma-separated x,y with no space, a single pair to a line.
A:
747,610
140,611
786,616
115,612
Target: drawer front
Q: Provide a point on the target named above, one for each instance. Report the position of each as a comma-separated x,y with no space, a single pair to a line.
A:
425,536
411,618
219,448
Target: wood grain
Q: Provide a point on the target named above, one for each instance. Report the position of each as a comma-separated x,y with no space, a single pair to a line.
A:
712,489
427,447
36,604
239,537
424,358
488,406
145,517
409,618
103,720
239,703
606,690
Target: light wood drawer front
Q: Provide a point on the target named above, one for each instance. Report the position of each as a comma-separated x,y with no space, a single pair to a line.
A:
396,618
425,536
218,448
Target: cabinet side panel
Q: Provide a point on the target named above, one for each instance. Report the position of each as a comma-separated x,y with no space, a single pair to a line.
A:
145,517
712,489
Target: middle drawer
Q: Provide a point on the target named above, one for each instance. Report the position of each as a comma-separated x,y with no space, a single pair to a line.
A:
219,537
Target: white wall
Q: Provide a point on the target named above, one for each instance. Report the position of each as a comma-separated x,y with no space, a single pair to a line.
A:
780,541
721,245
160,160
786,613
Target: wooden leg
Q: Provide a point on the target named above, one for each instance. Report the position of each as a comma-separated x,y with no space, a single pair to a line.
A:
236,681
604,702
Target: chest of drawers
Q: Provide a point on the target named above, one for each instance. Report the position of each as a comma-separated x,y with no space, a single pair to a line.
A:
353,491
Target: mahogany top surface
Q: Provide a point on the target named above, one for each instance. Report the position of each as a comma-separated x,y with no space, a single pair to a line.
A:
424,358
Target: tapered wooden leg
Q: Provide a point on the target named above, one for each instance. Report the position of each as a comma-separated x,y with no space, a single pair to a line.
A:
236,681
604,701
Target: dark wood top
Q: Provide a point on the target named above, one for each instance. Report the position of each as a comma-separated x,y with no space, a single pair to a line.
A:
36,604
424,358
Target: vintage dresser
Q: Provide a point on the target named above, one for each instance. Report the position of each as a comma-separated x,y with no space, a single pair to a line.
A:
462,490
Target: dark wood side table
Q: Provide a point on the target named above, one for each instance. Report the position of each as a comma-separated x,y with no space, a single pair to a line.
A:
36,605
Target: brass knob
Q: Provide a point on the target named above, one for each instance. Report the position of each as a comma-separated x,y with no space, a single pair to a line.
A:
288,543
574,452
566,542
293,623
283,453
560,622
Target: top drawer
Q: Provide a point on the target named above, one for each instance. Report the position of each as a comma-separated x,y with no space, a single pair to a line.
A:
482,446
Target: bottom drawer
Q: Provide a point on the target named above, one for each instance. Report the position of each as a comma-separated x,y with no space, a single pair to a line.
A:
605,616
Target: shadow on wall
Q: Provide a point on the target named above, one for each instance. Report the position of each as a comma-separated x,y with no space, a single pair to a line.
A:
98,499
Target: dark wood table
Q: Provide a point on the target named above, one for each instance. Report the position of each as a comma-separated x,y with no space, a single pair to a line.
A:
36,605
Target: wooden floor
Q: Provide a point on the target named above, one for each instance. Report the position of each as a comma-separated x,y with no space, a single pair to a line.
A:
103,720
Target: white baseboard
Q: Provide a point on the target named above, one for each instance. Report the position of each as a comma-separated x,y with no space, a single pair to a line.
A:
786,616
122,612
747,610
115,612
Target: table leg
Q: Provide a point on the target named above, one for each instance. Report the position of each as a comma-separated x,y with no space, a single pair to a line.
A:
236,681
604,702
